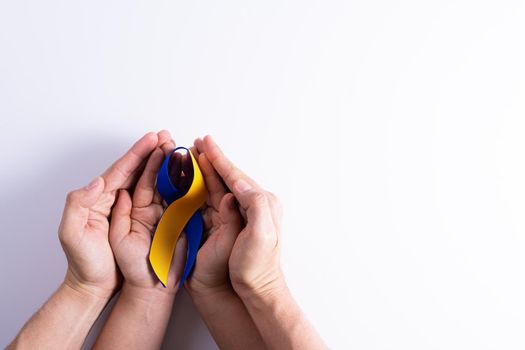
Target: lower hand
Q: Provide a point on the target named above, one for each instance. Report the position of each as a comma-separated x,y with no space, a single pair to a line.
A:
222,222
133,224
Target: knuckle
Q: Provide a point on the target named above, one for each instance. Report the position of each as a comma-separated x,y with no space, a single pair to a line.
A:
258,197
274,200
72,197
232,173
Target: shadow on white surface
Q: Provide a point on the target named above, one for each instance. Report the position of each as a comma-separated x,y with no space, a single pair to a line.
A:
34,265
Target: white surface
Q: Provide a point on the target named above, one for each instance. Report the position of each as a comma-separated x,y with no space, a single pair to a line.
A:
392,131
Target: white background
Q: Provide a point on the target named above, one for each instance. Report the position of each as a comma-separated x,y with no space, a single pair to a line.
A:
391,130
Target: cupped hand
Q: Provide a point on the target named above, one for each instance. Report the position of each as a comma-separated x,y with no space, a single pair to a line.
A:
254,265
85,223
222,222
133,223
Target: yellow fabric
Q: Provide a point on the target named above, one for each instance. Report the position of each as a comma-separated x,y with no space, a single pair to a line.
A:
172,223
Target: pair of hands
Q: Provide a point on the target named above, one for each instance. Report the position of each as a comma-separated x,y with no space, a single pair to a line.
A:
107,227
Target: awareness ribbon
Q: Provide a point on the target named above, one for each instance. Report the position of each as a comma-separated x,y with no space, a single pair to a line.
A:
182,213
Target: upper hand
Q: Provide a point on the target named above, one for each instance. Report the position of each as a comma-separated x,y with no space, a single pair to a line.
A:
254,265
84,227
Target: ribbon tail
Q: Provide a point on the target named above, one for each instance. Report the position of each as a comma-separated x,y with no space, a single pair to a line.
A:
193,231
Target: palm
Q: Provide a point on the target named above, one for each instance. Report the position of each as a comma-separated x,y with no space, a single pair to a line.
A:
132,251
256,246
222,224
211,267
252,267
133,225
90,255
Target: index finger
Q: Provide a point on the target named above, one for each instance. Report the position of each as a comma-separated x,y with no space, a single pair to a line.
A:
224,167
122,173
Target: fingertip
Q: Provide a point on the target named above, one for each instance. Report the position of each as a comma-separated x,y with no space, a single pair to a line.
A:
208,141
163,136
208,138
167,147
123,204
204,163
212,149
198,144
228,205
230,201
151,137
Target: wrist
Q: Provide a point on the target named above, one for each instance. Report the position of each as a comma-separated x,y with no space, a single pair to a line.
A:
84,290
270,287
148,295
197,288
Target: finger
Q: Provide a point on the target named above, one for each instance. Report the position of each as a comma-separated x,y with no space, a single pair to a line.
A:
214,184
163,136
230,218
166,142
78,203
145,189
179,259
254,204
120,224
168,147
195,152
229,221
157,198
198,145
207,215
239,184
124,171
276,208
224,167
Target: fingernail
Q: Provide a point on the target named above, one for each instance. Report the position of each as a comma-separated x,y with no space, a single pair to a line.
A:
92,184
242,186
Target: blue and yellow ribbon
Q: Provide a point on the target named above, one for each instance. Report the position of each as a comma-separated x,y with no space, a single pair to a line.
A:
182,213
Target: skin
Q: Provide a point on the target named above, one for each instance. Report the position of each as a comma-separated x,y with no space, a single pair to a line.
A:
220,307
237,285
254,267
142,312
92,276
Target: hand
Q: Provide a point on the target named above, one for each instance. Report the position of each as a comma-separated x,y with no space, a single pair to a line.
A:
254,265
222,223
84,227
133,225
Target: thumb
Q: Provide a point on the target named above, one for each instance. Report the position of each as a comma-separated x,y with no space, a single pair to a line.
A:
120,224
179,259
78,203
254,202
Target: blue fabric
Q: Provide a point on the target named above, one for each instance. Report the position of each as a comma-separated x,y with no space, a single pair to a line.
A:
194,226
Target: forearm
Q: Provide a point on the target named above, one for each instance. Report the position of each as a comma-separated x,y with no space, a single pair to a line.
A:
63,321
138,320
280,320
226,318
